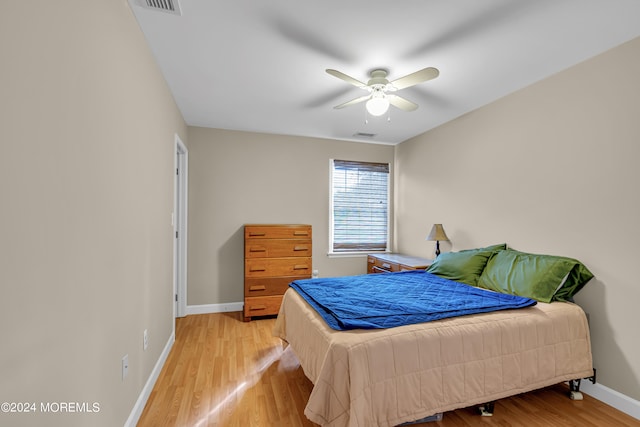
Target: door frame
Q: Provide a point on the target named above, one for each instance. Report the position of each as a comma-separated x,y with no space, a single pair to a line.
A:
179,221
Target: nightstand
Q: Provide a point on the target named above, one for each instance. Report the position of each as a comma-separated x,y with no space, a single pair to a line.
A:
386,263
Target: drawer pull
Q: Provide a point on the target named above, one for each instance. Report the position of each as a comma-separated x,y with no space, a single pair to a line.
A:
257,288
300,233
257,249
371,261
258,307
300,267
386,265
257,269
300,248
256,234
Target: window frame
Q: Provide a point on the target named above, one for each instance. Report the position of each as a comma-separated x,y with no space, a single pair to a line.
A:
358,252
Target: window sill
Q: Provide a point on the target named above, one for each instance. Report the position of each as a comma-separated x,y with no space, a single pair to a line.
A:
354,254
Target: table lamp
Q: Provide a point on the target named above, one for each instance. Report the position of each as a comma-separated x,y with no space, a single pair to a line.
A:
437,234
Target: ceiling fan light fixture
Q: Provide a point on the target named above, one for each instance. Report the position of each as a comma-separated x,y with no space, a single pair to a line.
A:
378,104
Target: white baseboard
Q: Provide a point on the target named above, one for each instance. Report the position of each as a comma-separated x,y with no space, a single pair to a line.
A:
612,398
215,308
134,416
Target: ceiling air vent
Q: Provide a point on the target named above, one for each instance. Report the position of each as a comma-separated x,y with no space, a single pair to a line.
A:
364,135
169,6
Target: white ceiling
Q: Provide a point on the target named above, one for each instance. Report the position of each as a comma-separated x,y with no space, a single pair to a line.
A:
259,65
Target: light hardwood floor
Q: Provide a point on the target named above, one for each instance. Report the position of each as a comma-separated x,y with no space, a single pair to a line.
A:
226,372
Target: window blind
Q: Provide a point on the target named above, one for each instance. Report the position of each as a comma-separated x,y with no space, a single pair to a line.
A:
360,214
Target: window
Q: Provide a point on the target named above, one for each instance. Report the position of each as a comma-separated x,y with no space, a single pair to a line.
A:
359,206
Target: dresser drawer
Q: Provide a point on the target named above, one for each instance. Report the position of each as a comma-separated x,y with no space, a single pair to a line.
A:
381,266
371,263
277,232
386,263
263,286
277,248
262,306
268,267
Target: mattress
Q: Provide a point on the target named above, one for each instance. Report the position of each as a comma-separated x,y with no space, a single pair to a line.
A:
385,377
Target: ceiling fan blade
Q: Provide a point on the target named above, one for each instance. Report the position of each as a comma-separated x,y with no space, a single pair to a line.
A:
401,103
346,78
353,101
415,78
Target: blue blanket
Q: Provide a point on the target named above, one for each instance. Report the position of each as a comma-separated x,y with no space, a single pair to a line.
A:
378,301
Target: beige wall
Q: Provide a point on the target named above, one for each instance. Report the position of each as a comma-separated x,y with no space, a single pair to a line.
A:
240,177
86,183
550,169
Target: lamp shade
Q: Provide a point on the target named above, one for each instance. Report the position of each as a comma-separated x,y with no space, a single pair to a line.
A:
378,104
437,234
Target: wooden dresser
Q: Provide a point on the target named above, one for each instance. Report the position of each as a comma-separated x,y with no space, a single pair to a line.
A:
386,263
274,256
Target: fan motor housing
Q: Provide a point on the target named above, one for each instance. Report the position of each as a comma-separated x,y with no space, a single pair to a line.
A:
378,77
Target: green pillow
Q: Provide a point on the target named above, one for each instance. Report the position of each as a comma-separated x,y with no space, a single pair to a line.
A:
578,277
464,266
541,277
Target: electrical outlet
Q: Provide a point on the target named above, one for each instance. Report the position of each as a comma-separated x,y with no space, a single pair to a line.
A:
145,340
125,366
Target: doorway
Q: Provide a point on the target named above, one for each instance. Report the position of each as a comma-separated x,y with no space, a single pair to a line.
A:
179,219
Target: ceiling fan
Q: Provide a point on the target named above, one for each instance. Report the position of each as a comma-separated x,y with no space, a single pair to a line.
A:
379,98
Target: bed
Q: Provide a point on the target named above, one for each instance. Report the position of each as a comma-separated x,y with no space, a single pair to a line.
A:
389,376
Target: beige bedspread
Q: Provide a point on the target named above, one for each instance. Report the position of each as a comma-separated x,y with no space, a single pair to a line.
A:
385,377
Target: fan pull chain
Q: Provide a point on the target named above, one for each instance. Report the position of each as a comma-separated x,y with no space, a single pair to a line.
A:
366,118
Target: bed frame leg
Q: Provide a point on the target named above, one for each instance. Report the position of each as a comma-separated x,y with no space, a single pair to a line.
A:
486,410
574,390
574,387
